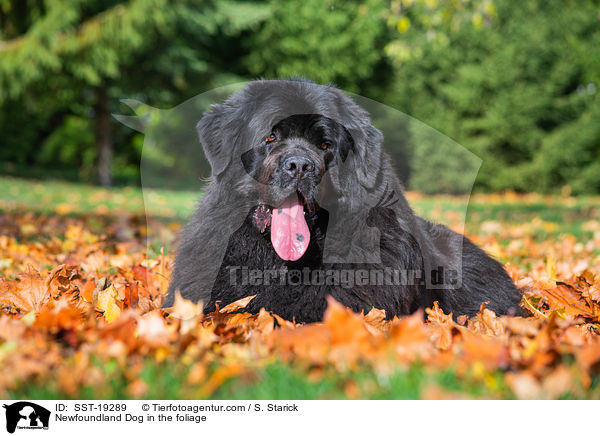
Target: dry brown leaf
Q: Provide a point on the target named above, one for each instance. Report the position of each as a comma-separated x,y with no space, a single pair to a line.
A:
558,383
441,325
186,312
486,322
237,305
28,294
524,385
153,330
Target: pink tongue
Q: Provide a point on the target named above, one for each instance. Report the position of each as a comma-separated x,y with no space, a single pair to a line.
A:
289,233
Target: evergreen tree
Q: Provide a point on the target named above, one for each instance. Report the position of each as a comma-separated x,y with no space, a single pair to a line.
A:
519,91
70,53
333,41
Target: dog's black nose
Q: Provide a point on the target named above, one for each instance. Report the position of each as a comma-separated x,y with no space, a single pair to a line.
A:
297,166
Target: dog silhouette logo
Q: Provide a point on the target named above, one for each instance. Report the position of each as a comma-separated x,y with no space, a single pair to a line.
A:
26,415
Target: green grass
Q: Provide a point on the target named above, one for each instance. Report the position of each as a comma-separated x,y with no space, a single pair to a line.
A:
563,216
279,381
284,381
48,197
276,381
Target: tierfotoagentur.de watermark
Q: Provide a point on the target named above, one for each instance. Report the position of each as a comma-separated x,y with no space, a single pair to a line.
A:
346,278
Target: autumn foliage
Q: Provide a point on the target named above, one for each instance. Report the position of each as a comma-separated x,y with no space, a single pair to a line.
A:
73,299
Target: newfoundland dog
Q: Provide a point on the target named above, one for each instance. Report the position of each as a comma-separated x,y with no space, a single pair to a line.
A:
303,204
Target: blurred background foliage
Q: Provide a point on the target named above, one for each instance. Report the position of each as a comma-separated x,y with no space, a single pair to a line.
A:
516,83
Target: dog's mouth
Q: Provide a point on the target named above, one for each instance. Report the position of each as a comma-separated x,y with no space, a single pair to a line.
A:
290,235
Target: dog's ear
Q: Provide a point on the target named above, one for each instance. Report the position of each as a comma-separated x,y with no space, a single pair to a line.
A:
251,159
210,131
346,143
367,139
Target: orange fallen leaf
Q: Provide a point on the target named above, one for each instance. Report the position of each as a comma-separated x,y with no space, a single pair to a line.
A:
28,294
236,305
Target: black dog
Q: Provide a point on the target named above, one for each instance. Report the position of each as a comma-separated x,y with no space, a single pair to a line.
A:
304,204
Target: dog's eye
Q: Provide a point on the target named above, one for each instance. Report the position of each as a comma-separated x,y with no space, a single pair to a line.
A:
271,138
325,145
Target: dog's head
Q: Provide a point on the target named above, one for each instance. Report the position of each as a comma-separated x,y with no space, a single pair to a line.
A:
295,155
290,163
286,145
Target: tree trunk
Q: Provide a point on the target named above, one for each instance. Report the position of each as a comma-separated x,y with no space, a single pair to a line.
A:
103,138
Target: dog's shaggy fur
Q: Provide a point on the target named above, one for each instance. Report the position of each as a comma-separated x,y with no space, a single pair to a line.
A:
347,188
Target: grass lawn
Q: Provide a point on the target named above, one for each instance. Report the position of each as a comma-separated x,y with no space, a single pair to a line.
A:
554,215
